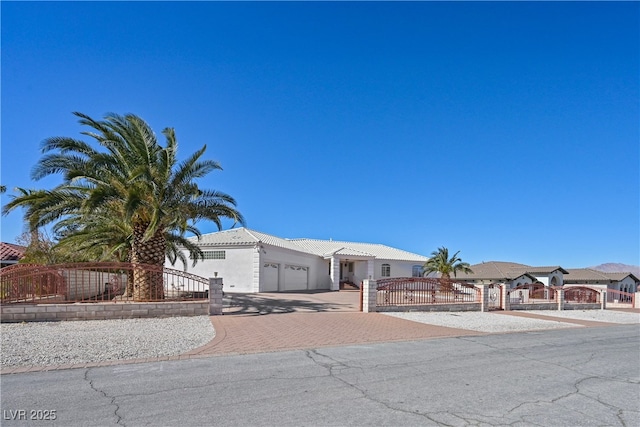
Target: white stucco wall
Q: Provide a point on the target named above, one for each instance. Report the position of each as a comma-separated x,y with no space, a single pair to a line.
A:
522,280
318,273
236,269
543,279
242,267
627,283
398,268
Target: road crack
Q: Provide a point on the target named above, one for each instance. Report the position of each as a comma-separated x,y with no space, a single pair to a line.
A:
112,402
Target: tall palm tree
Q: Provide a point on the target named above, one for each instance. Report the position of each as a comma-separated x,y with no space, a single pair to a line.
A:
133,179
440,262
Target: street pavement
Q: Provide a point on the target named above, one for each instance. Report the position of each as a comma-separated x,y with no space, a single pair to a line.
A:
565,377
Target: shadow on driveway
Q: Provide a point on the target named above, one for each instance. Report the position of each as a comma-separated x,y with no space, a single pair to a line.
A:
294,302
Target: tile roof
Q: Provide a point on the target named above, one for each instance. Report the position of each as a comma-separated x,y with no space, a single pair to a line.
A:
499,270
495,270
324,247
621,276
546,269
585,274
241,237
244,236
348,252
11,252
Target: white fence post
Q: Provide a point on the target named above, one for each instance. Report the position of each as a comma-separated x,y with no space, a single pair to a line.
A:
215,296
369,294
560,298
505,304
484,297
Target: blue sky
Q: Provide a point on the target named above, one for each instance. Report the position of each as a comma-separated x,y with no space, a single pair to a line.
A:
508,131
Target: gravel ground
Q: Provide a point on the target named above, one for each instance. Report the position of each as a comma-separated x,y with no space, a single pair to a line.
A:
490,322
481,322
595,315
56,343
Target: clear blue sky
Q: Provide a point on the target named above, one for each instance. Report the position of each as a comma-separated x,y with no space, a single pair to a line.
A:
508,131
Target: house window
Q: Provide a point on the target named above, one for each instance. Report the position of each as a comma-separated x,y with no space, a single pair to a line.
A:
386,270
214,254
416,271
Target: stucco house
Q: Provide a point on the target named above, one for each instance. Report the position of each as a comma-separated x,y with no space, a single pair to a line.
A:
252,261
625,282
513,274
10,254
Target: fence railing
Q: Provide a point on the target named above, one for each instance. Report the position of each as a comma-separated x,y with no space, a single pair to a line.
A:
532,293
423,291
100,281
619,297
581,295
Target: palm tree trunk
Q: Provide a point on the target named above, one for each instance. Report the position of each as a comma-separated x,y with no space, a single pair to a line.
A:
445,283
147,285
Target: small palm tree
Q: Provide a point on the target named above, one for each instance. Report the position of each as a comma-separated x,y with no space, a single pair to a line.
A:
440,262
130,191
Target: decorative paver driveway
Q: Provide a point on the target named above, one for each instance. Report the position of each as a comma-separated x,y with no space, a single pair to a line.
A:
254,323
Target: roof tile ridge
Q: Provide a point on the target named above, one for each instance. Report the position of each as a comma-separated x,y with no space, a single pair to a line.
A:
250,233
599,273
495,264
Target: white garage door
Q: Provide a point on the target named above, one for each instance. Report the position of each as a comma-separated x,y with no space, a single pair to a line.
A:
296,278
269,277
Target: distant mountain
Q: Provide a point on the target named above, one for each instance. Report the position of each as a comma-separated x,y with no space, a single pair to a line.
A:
612,267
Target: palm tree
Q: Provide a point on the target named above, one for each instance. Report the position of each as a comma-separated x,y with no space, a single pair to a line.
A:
441,263
133,193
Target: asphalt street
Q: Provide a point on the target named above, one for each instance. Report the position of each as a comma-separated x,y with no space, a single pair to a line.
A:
567,377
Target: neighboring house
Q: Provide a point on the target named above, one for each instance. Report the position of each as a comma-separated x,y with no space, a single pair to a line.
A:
251,261
513,274
10,254
625,282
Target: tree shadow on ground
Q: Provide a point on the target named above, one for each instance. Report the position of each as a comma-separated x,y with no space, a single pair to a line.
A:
252,304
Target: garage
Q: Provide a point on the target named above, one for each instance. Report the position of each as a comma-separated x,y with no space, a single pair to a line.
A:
269,277
296,278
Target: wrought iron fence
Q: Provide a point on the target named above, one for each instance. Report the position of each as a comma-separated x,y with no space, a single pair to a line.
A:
99,281
581,295
619,297
423,291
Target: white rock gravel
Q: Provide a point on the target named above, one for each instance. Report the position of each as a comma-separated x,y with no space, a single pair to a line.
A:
56,343
493,322
481,322
609,316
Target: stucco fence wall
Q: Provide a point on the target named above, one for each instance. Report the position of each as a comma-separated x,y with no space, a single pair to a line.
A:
119,310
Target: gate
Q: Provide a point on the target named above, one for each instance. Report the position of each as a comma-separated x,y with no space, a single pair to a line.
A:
495,296
581,295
